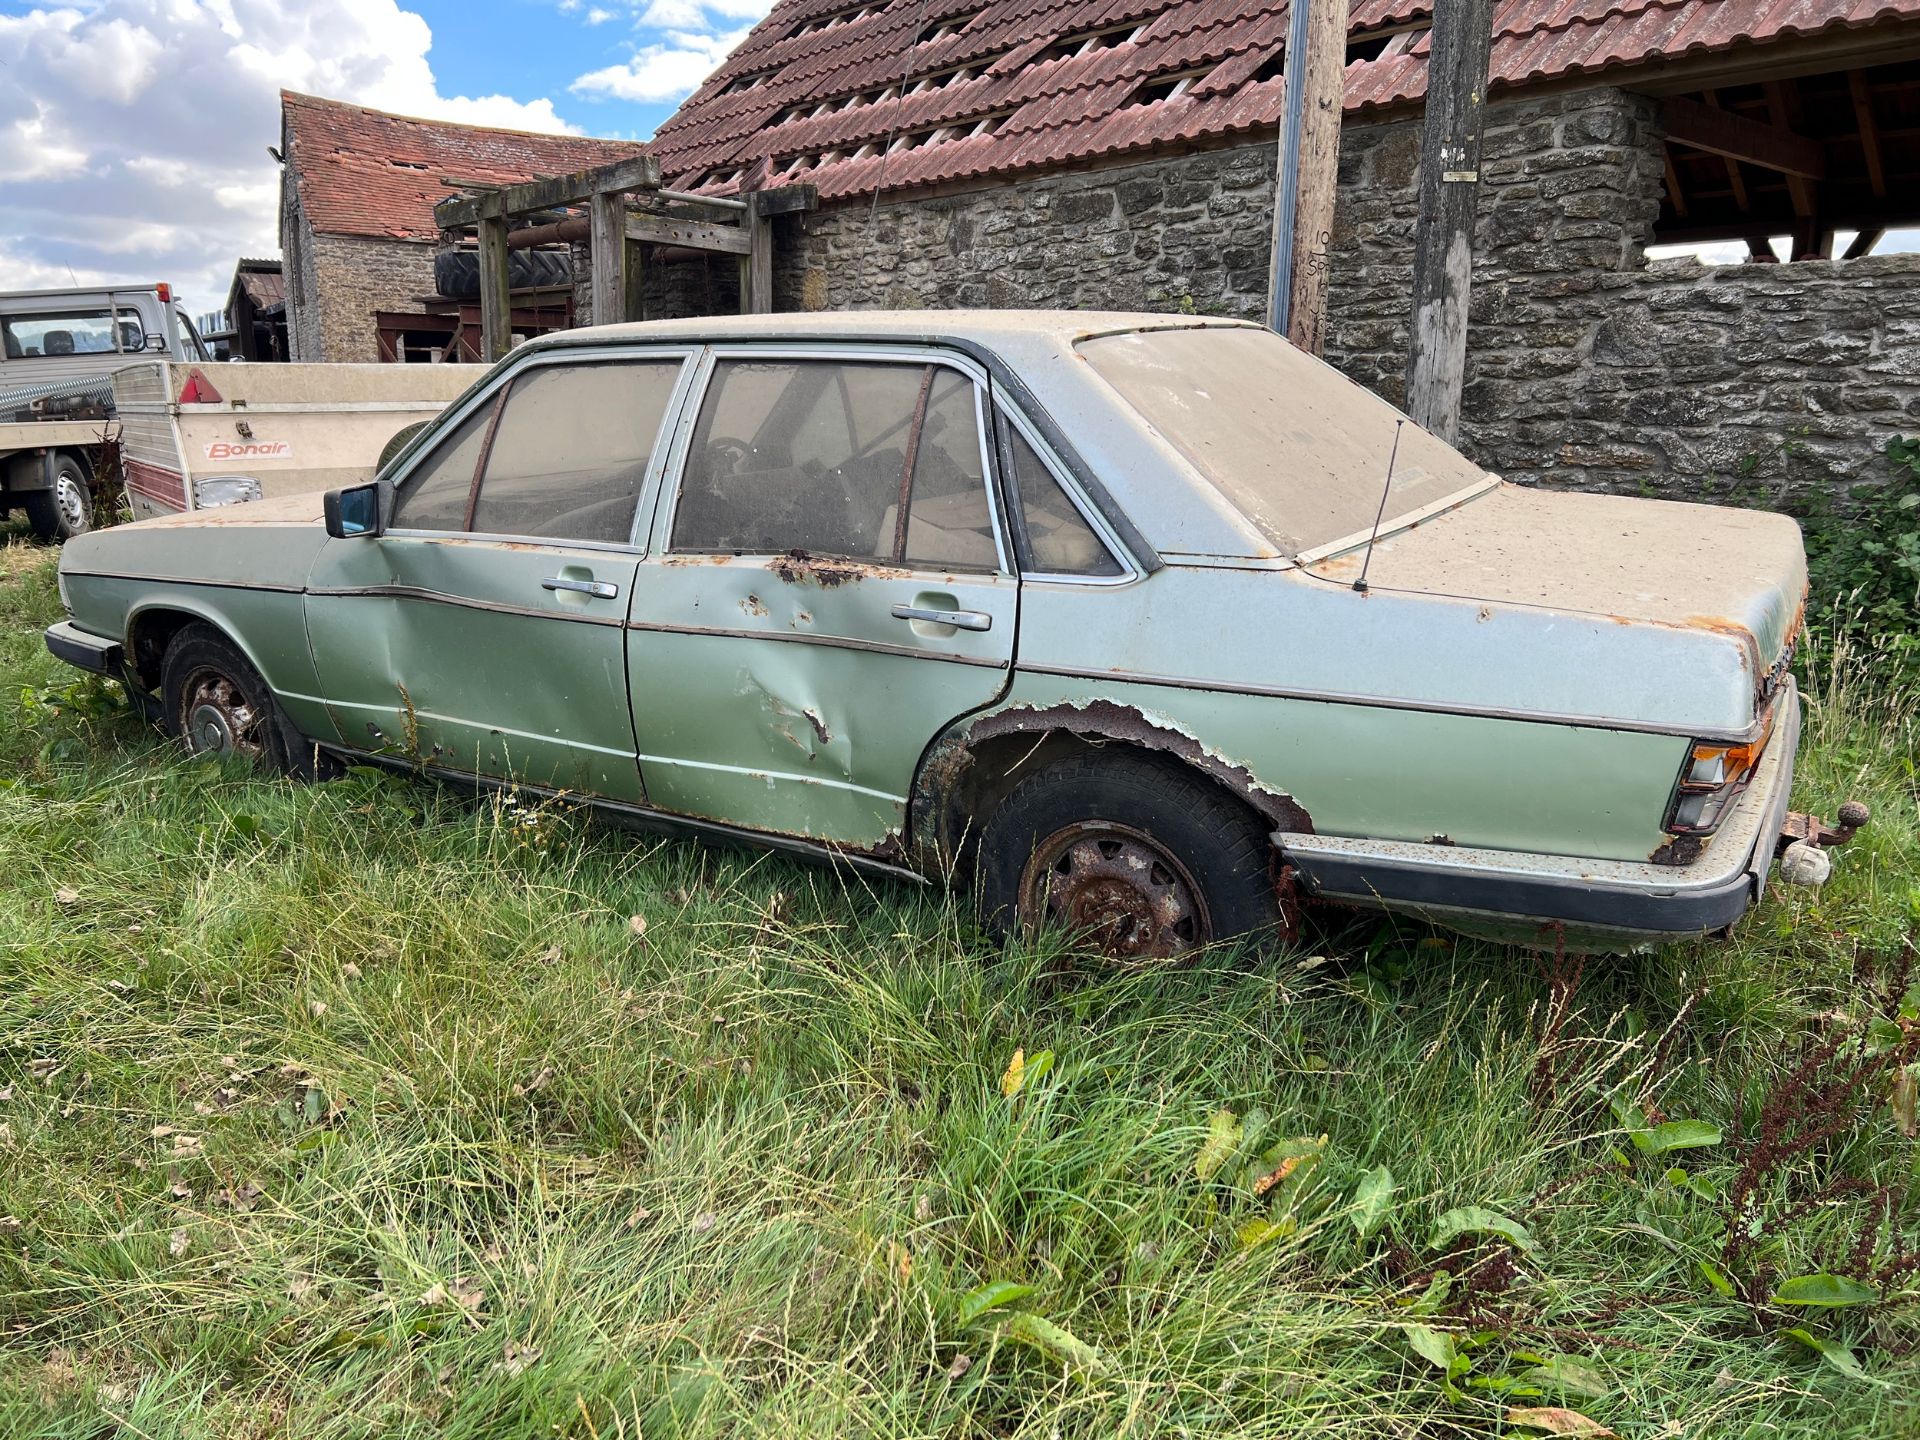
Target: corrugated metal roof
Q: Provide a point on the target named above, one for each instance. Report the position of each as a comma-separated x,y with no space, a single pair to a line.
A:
997,87
365,172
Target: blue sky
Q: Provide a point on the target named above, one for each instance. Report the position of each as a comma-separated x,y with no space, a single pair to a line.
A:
133,133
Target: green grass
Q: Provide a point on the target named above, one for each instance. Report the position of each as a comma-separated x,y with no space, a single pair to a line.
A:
455,1152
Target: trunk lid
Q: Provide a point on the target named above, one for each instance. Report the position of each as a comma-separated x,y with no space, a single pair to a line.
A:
1707,568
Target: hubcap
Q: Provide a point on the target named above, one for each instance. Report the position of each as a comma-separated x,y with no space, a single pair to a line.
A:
216,719
71,500
1118,888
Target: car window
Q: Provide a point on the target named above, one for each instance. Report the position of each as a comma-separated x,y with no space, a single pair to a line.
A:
83,332
1059,540
435,493
820,456
571,450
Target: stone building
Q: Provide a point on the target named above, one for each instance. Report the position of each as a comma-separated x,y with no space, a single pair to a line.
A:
1121,154
357,235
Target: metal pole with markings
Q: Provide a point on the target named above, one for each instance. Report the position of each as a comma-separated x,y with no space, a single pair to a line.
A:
1449,192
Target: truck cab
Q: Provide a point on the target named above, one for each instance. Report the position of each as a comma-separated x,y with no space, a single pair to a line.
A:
58,352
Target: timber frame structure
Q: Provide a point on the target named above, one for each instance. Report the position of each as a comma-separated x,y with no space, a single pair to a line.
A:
626,208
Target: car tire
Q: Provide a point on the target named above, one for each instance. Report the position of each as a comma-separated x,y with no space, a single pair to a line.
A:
1146,860
456,272
216,704
65,509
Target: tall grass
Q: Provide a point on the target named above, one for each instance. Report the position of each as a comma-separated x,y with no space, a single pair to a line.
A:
361,1109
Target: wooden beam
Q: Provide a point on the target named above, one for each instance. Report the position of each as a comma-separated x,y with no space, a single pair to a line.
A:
1760,251
1676,195
1869,133
692,234
1864,241
786,199
638,172
1784,110
757,275
608,218
496,322
1449,194
636,277
1316,65
1721,132
1735,180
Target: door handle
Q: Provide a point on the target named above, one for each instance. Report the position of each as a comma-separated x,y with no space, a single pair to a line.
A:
599,589
959,619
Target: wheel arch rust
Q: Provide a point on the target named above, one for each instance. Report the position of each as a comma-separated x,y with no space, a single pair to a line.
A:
979,759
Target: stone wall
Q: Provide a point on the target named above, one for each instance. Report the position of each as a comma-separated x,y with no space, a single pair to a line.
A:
335,283
1586,366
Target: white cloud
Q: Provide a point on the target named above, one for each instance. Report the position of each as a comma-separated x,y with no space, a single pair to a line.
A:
664,72
139,152
683,42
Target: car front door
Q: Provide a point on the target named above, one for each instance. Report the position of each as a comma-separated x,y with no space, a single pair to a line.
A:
828,588
483,632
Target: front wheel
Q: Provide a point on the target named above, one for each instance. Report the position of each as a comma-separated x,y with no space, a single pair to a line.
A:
64,509
1142,860
217,705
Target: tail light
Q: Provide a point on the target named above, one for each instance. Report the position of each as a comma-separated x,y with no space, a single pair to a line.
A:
165,292
1714,775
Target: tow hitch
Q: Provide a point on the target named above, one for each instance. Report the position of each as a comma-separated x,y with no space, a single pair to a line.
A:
1805,839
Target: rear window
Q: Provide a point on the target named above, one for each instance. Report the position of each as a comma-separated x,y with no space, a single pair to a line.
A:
1297,447
85,332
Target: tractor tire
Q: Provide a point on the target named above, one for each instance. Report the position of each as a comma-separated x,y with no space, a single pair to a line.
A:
456,272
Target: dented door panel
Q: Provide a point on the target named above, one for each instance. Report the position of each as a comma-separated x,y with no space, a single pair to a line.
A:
452,651
781,693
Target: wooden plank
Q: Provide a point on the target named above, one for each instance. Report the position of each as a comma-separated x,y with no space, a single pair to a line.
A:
608,218
1735,180
638,172
787,199
636,277
1676,194
759,271
496,324
1449,194
1864,242
1721,132
692,234
1869,133
1784,111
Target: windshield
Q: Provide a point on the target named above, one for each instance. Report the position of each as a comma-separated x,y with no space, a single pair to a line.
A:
1297,447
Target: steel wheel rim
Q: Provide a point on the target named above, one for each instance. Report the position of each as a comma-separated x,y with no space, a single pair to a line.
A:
217,720
1116,887
71,503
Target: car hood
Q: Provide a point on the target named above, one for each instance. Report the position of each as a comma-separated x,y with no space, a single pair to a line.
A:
308,509
1651,562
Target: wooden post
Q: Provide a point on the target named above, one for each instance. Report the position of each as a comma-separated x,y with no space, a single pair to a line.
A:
1449,191
1308,176
636,276
496,302
607,217
758,273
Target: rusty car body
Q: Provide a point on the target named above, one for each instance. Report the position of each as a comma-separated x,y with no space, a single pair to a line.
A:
1066,607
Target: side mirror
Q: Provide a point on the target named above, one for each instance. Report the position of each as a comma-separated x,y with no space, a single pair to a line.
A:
363,510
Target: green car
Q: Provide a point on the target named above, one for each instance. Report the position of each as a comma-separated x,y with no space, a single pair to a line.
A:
1147,626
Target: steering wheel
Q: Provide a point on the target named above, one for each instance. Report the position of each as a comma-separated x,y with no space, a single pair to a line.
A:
725,455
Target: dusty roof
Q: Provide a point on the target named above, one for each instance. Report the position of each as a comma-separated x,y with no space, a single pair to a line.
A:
263,282
365,172
1001,86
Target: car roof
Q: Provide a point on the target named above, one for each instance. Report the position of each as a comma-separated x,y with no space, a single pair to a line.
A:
1158,497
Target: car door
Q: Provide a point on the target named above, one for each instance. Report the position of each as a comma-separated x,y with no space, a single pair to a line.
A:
483,632
828,588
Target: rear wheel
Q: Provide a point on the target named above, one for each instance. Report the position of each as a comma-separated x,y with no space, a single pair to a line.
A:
1142,860
216,704
65,509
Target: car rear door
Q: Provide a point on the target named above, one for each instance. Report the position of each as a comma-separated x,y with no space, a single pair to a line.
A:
828,588
483,632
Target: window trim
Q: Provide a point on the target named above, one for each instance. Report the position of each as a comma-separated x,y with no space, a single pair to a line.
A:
1009,418
491,392
829,352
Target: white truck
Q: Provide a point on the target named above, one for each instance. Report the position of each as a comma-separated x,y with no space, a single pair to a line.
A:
196,436
58,352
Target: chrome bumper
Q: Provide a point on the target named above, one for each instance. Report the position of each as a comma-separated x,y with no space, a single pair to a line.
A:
1634,902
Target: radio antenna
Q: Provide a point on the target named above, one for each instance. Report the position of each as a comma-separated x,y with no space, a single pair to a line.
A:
1380,514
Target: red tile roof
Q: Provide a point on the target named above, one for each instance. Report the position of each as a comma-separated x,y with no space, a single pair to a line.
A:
1026,85
365,172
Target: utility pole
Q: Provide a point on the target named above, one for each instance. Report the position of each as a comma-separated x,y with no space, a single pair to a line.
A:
1449,191
1316,64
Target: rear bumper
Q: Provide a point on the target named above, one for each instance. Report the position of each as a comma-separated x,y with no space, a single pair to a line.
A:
1616,904
85,650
